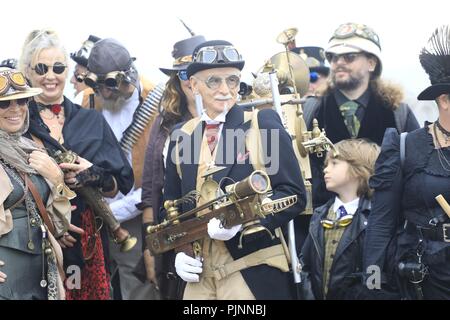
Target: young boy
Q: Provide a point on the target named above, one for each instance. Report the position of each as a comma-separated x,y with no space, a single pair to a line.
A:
332,253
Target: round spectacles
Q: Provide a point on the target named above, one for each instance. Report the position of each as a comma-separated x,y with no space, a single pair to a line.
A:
333,224
214,82
42,68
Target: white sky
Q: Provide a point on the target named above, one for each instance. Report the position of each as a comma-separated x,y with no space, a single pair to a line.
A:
150,28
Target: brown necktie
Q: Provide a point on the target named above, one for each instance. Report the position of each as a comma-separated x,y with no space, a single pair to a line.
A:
212,135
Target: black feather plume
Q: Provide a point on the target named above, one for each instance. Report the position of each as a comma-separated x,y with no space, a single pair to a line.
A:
435,57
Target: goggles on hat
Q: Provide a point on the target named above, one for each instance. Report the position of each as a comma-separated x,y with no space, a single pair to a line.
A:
84,51
111,80
42,69
349,30
14,80
215,54
333,224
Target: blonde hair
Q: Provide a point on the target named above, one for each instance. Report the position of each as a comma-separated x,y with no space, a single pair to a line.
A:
36,41
361,155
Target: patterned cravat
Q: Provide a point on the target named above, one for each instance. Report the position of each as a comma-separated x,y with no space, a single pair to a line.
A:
348,111
212,135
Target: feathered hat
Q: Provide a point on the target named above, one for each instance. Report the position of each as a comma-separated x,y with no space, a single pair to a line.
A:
435,60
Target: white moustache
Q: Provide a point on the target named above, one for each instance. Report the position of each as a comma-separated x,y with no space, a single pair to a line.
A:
223,98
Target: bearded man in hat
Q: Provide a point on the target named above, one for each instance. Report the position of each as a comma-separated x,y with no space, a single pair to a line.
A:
222,270
412,170
357,104
115,80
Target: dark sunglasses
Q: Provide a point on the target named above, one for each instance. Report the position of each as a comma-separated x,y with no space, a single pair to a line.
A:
79,76
313,77
42,68
21,102
182,75
348,57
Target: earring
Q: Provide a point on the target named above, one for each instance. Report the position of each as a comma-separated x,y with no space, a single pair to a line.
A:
198,104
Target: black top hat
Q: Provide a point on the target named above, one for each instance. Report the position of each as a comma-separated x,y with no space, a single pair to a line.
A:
182,53
314,58
81,56
221,60
435,61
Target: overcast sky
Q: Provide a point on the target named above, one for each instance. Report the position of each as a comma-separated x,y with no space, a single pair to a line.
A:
149,28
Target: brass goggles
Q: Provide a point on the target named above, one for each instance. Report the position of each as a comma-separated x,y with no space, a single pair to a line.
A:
348,30
334,224
111,80
215,54
14,80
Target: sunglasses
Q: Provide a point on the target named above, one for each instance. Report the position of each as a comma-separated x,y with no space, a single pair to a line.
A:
313,77
334,224
216,54
79,76
214,82
182,75
42,68
348,57
5,104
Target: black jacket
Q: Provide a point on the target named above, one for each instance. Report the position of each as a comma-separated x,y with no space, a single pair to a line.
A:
347,263
265,282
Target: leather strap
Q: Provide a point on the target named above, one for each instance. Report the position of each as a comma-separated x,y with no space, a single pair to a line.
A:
40,204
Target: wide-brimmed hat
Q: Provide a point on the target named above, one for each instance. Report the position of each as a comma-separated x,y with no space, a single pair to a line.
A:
215,54
314,58
435,60
82,55
355,37
182,53
13,85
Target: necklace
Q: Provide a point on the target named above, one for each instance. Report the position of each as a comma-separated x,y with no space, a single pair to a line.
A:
445,163
443,131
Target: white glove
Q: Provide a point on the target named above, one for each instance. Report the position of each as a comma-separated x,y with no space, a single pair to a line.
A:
188,267
216,231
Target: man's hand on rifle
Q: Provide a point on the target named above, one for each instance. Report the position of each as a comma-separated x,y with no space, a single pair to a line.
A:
218,232
187,267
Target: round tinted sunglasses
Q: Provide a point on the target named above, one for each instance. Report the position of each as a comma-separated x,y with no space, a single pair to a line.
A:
217,54
182,75
42,68
5,104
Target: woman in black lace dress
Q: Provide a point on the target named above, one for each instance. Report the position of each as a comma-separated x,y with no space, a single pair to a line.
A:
405,211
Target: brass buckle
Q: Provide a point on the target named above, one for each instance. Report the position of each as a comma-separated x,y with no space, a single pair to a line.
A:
445,228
